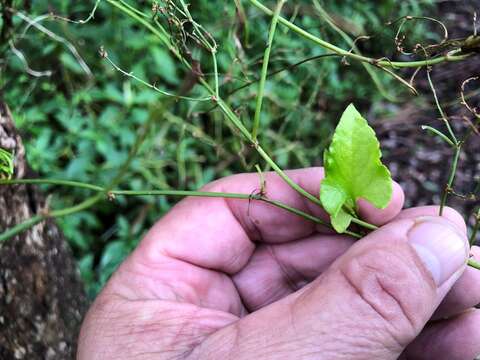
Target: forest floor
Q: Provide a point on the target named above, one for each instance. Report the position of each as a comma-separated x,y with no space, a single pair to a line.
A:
419,161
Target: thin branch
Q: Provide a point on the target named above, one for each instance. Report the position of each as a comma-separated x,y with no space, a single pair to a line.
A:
452,56
57,38
104,55
473,263
439,133
473,110
286,68
24,61
113,193
27,224
404,20
228,112
356,50
263,75
81,22
440,110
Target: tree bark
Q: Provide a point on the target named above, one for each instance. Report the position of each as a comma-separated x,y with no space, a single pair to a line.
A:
42,299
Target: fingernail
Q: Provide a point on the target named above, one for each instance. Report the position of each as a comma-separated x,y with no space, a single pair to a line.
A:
442,248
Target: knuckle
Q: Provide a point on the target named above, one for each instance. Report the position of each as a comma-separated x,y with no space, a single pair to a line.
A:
394,286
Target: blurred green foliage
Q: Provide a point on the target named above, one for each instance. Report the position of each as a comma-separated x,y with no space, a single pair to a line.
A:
81,126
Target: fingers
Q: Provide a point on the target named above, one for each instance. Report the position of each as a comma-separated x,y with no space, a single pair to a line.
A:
466,292
372,215
448,213
277,270
464,295
265,223
370,303
190,252
222,232
454,339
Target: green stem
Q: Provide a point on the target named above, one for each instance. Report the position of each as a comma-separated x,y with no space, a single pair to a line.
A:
451,178
439,134
368,67
457,145
151,86
440,110
264,73
474,264
77,208
67,183
145,22
215,70
289,67
104,191
364,224
27,224
340,51
34,220
230,115
159,193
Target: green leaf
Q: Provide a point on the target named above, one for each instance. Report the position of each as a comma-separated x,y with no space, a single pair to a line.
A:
6,164
353,170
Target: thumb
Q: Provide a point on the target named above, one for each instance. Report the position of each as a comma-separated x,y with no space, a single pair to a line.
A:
387,286
370,304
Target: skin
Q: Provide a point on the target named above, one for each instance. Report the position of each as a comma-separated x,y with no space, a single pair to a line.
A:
231,279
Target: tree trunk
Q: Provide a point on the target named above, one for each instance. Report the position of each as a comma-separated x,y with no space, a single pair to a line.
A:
42,299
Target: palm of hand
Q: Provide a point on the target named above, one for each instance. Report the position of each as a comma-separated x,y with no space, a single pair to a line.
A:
211,262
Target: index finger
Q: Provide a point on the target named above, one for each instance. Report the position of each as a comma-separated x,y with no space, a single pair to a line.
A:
220,234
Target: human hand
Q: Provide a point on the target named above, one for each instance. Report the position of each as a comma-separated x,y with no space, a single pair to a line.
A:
232,279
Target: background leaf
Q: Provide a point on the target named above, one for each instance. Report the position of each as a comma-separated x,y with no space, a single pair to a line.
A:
80,128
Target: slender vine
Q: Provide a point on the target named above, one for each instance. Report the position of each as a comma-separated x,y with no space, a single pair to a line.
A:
455,55
202,38
264,73
111,194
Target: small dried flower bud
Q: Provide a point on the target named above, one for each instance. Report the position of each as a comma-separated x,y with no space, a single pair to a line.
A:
103,53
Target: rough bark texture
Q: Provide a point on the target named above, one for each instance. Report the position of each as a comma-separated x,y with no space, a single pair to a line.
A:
42,299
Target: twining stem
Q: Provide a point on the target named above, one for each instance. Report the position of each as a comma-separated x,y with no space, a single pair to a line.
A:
451,178
383,63
90,201
440,110
81,22
356,50
104,192
288,67
104,55
452,140
439,134
264,73
228,112
212,48
27,224
474,264
66,183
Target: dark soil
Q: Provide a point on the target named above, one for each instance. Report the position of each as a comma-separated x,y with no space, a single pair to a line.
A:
421,162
